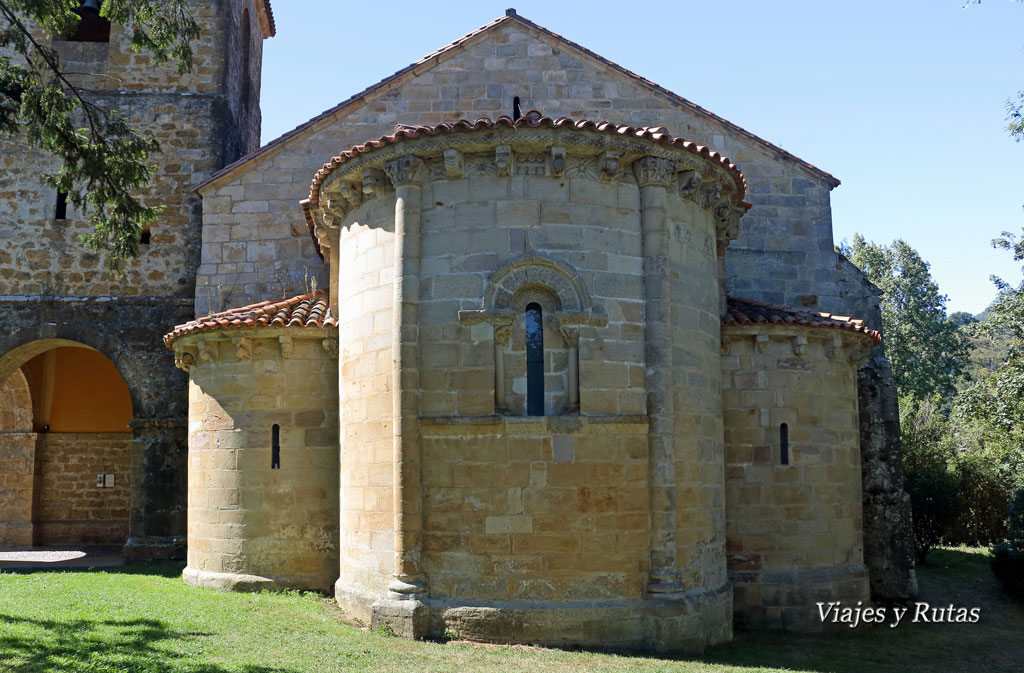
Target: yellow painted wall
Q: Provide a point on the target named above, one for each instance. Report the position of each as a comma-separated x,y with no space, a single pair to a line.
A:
89,394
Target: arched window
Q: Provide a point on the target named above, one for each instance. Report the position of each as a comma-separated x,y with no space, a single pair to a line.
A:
784,444
534,360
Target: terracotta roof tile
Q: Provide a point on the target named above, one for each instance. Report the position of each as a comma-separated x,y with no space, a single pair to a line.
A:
266,19
305,310
752,312
329,113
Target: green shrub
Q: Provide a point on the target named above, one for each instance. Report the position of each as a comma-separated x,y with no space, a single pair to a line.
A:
1007,558
985,496
935,502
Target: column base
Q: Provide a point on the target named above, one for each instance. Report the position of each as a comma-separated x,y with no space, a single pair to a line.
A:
688,623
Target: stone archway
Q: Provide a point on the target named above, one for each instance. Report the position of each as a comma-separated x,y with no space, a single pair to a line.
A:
68,448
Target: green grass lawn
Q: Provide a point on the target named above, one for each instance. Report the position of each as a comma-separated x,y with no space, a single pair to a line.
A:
145,620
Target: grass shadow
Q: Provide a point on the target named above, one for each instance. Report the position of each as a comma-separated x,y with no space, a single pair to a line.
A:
167,569
138,645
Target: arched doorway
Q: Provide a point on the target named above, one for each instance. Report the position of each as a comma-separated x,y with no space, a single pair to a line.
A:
70,445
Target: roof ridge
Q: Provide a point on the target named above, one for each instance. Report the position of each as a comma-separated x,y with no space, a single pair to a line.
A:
509,16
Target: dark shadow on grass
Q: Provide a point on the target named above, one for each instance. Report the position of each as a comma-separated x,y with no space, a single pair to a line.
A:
156,569
137,645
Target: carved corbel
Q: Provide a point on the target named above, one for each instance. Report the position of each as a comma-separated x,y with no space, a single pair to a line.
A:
454,164
859,353
689,183
323,238
557,161
243,347
834,347
330,347
653,171
799,344
287,347
609,164
405,170
373,182
351,192
710,195
726,346
207,350
761,342
503,159
184,360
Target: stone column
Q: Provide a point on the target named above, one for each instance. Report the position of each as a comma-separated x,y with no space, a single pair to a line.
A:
653,177
157,519
571,336
402,610
502,334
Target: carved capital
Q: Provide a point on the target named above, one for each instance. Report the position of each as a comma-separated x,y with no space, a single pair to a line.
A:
454,164
503,159
374,181
653,171
608,163
405,170
330,347
557,161
570,335
502,334
243,347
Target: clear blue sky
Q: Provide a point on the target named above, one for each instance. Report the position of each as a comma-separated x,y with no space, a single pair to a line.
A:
902,101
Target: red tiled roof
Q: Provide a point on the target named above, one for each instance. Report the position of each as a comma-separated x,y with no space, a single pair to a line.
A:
510,16
752,312
531,119
269,28
305,310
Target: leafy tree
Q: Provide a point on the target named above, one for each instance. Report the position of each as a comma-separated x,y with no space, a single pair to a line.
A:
996,399
103,159
927,351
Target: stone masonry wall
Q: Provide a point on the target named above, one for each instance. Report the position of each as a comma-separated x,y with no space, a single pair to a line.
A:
794,530
783,253
70,508
17,461
250,524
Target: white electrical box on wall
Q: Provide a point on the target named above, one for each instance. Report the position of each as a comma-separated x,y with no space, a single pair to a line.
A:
109,481
100,479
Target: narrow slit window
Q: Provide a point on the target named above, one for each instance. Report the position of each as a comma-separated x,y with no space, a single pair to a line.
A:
61,212
517,111
275,447
144,236
534,361
784,444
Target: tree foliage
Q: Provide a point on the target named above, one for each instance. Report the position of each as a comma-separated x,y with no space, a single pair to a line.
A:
927,351
103,159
